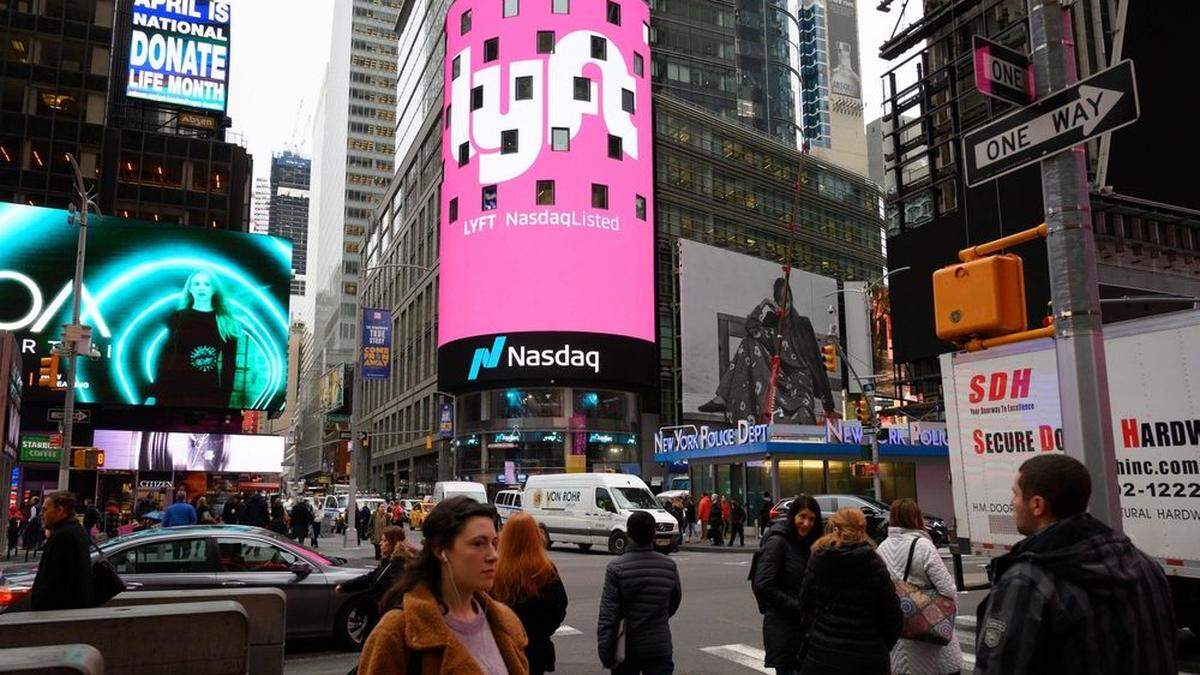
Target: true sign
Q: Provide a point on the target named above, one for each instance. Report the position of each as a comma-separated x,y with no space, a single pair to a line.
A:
1101,103
1002,73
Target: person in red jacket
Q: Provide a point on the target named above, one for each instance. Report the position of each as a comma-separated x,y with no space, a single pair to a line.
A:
726,507
703,511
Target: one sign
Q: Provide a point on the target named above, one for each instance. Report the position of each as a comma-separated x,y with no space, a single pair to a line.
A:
58,415
179,53
376,344
1101,103
40,448
250,421
446,420
197,121
689,437
331,389
1003,73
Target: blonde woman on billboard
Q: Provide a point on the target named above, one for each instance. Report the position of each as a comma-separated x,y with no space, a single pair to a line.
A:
198,361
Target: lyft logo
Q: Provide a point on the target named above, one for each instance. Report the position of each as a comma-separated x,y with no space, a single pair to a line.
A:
552,104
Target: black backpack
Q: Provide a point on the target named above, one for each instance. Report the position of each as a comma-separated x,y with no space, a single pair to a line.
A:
762,606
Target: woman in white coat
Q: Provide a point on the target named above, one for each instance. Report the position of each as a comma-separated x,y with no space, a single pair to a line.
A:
911,657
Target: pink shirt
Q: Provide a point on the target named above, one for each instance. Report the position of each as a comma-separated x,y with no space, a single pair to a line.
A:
476,635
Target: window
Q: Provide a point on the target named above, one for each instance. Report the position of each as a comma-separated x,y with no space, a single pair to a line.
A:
455,67
627,101
508,141
638,64
613,13
599,48
249,555
464,153
448,116
560,139
178,556
525,88
464,23
614,147
545,42
605,501
561,6
639,207
583,89
477,97
453,209
545,192
511,7
599,196
489,198
491,50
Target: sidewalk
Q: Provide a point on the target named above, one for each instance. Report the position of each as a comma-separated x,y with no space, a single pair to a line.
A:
697,546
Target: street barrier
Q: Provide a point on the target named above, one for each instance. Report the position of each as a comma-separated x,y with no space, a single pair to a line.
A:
56,660
266,609
195,638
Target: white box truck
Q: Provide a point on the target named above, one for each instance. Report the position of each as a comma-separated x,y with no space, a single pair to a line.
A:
1002,407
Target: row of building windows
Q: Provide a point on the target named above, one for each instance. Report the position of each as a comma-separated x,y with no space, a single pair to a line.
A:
373,64
546,41
581,91
370,129
544,196
511,8
377,113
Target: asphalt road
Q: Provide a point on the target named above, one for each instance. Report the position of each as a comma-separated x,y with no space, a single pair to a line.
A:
717,630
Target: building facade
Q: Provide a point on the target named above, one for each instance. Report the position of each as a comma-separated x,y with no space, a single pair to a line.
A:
288,212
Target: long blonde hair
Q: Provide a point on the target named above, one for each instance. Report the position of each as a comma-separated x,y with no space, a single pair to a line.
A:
847,526
227,324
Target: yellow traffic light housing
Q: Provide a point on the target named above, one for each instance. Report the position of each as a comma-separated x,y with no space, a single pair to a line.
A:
829,354
980,298
48,372
861,411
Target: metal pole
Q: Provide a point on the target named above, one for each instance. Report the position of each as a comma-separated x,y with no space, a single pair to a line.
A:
1074,281
67,347
351,538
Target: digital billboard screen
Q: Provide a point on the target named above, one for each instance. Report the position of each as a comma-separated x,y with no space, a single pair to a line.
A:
547,238
179,53
181,317
180,451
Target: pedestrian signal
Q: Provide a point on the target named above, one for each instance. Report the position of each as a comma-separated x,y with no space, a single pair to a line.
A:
829,353
862,411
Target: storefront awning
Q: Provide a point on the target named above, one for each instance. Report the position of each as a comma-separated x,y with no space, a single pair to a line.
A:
761,450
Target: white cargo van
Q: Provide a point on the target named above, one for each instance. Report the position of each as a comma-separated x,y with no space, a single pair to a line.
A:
446,489
594,508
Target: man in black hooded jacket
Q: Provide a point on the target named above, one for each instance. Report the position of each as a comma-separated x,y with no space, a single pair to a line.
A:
1074,596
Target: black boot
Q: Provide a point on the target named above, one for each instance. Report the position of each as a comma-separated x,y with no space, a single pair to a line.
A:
716,405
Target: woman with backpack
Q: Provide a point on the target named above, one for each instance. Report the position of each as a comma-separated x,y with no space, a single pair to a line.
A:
849,602
910,555
777,572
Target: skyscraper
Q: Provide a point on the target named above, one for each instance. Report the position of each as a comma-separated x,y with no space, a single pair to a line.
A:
288,212
353,148
260,209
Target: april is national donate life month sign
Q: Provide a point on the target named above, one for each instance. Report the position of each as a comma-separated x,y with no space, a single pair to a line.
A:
179,52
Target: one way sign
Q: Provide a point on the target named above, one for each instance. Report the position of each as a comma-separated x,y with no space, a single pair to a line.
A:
1101,103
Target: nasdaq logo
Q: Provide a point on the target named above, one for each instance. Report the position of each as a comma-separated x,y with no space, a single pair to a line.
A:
487,358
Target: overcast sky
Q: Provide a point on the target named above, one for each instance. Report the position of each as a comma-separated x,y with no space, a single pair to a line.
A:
280,48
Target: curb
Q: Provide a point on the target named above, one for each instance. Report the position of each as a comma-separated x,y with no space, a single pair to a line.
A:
708,548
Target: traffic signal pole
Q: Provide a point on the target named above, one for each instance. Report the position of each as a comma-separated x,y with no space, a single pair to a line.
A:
1074,280
68,346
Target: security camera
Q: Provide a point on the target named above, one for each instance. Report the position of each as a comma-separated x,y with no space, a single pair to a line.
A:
94,354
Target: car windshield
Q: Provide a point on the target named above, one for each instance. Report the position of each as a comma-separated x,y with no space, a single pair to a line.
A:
635,498
873,502
306,552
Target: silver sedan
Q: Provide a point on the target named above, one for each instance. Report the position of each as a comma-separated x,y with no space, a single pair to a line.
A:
240,556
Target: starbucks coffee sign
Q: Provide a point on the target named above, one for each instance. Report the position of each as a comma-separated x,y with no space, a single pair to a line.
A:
41,448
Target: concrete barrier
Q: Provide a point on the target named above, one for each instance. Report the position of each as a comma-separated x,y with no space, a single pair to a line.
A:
195,638
266,609
56,660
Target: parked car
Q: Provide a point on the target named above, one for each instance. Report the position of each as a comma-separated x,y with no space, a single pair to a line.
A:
507,502
875,511
227,556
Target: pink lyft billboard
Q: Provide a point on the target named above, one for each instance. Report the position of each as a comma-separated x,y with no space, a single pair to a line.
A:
547,199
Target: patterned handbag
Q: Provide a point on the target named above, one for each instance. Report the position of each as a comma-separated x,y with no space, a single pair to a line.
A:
928,615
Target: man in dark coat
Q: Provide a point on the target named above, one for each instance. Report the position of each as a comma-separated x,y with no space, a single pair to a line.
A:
232,513
64,575
1073,596
302,518
641,587
255,512
91,516
764,514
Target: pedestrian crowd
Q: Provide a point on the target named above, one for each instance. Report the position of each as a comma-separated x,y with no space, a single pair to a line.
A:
1074,596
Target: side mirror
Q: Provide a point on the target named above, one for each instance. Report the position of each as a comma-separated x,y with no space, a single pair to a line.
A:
301,569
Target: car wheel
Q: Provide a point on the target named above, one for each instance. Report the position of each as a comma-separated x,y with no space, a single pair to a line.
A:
617,543
546,537
353,622
585,547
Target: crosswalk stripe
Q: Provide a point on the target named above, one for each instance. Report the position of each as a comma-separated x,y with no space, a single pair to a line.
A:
564,631
743,655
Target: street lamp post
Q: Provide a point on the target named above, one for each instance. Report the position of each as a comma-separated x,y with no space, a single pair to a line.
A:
351,536
73,332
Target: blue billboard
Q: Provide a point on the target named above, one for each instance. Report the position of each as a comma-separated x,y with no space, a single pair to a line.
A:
376,344
179,53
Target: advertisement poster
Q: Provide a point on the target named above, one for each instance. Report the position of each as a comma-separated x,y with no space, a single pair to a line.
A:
376,344
179,53
46,448
178,451
181,317
729,331
845,70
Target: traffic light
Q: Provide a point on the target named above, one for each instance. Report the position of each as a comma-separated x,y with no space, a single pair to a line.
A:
48,372
829,353
862,411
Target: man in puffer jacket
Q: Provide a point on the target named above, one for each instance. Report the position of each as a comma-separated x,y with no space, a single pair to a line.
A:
641,587
1073,596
